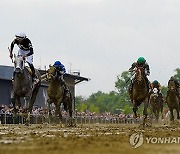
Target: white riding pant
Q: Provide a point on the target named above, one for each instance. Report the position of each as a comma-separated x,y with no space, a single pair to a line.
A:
29,59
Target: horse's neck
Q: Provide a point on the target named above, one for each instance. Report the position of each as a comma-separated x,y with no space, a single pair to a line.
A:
140,84
55,82
171,94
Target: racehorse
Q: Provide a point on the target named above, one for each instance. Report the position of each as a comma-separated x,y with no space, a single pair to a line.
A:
56,93
140,92
156,103
172,99
23,86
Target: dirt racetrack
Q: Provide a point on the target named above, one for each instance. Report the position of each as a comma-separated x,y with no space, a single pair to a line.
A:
85,139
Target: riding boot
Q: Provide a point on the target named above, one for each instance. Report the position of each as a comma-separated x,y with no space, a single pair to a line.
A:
13,76
131,85
35,80
149,85
66,89
66,93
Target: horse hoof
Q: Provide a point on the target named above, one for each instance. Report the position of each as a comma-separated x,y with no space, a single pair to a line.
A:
26,124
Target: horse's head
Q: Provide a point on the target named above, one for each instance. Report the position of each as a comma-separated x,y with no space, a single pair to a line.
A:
171,85
139,74
19,64
51,73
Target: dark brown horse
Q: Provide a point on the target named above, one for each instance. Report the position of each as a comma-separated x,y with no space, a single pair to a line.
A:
172,99
56,93
140,92
156,103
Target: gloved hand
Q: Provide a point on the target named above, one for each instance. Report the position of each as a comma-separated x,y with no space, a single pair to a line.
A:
11,55
24,57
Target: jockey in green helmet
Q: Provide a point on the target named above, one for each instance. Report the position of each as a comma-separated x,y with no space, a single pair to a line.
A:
141,62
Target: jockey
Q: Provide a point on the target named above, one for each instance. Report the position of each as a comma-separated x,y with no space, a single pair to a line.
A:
156,84
61,71
60,67
25,50
141,62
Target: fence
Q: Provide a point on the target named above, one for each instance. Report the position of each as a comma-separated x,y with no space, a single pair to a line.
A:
40,119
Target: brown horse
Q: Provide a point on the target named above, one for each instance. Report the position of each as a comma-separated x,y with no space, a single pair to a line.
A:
156,103
56,93
172,99
140,92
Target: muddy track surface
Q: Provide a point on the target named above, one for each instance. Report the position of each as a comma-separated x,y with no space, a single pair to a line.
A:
89,139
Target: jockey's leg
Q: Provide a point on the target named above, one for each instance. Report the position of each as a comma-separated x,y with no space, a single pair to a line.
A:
66,92
148,84
131,85
66,88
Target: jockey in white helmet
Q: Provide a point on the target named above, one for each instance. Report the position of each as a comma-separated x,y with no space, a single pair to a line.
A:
25,50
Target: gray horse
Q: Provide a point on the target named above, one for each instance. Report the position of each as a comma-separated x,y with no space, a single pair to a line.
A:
23,86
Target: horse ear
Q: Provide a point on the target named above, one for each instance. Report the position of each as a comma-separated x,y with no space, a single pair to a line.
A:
49,65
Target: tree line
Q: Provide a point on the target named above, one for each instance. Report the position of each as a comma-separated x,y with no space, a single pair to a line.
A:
115,101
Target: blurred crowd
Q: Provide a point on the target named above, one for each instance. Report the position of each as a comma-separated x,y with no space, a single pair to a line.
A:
4,109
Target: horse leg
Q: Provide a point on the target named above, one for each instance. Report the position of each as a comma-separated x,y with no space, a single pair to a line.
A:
162,116
145,111
151,113
28,101
49,107
171,115
58,111
157,112
69,103
135,109
14,100
33,98
177,110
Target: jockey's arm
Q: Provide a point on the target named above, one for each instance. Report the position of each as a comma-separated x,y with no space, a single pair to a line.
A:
147,69
31,52
12,46
132,67
160,87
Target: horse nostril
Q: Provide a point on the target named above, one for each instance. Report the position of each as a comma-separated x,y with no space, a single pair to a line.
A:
17,70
